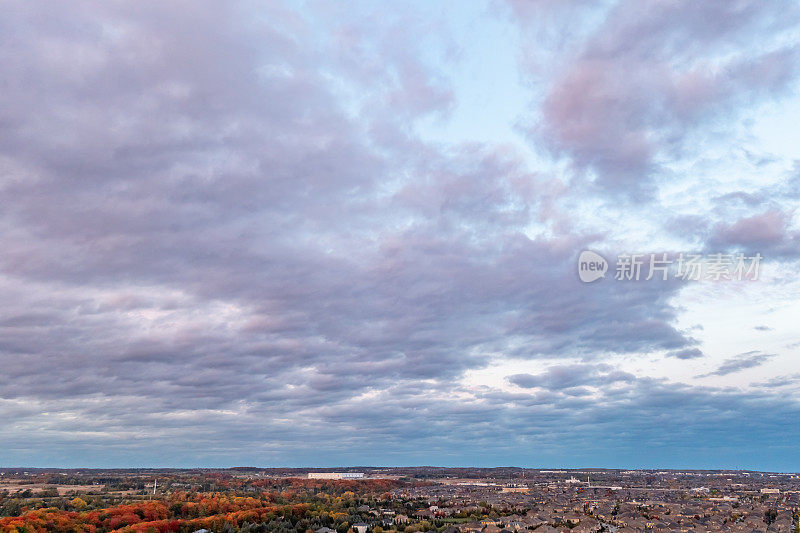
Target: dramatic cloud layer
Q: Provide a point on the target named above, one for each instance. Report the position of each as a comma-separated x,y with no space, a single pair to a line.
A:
229,235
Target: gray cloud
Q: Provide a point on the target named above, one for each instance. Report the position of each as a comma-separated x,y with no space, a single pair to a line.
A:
781,381
393,425
563,377
688,353
749,199
740,362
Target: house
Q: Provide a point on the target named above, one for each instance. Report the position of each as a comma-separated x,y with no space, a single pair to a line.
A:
360,528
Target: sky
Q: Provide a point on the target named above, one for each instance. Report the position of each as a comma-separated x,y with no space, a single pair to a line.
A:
313,233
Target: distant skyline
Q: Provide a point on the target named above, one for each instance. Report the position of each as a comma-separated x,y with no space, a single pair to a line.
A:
310,233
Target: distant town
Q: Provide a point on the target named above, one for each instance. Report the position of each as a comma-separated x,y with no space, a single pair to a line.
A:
397,500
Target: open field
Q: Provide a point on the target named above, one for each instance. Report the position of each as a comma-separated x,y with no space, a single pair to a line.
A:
37,488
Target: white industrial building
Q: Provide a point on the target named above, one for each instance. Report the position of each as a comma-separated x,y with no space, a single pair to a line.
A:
335,475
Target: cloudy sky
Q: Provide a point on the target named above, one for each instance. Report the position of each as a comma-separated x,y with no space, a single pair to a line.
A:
346,233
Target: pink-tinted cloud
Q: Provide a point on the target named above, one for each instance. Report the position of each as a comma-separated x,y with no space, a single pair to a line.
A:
649,74
768,233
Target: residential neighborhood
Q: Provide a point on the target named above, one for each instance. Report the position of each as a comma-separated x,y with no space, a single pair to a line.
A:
404,500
